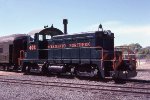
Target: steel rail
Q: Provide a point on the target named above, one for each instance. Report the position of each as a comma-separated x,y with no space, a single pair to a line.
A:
80,86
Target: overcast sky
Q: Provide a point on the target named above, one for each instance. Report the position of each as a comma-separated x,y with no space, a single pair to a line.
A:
129,20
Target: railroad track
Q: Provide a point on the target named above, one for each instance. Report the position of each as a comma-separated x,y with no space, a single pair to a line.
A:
112,88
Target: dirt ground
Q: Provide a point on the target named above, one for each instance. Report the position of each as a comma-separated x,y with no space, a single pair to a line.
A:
143,65
32,92
4,73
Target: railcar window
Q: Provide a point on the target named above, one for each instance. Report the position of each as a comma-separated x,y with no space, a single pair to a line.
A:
1,50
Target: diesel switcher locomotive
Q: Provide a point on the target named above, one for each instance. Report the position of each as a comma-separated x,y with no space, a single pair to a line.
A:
90,54
84,54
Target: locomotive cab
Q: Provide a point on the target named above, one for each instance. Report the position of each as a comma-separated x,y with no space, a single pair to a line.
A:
37,52
42,40
42,44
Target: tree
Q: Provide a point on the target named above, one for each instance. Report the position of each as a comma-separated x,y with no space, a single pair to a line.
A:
135,47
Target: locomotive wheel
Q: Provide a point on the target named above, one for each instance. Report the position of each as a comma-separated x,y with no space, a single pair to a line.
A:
76,71
99,76
27,69
23,68
4,67
15,67
7,67
45,69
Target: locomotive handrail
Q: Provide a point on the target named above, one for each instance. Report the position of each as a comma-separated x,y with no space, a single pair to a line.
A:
21,56
129,53
123,56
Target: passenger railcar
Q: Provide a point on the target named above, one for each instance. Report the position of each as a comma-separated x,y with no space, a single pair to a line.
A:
10,47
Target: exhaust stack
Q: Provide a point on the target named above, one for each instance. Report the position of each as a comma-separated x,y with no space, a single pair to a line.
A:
65,22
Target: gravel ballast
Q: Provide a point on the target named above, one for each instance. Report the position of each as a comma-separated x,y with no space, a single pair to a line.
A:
28,92
12,91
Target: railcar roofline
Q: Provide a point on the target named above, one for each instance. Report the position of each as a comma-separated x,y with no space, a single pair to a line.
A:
10,37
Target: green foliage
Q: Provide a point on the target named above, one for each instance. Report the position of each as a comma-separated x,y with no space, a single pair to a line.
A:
135,47
139,51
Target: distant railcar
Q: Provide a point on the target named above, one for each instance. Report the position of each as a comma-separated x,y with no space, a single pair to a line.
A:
10,47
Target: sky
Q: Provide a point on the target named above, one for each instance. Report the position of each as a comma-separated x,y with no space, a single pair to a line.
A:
129,20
